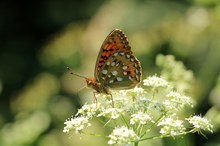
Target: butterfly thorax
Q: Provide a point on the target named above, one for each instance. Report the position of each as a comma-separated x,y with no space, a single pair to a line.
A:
100,88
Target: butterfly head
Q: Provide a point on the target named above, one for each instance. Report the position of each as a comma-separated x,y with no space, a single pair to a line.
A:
91,82
98,87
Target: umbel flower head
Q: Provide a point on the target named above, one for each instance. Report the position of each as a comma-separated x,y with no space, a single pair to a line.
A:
139,111
78,124
200,123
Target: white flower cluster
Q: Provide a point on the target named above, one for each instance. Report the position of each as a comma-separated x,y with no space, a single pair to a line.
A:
138,111
140,118
155,82
175,101
112,113
81,119
137,91
171,127
200,123
88,110
78,124
122,136
179,99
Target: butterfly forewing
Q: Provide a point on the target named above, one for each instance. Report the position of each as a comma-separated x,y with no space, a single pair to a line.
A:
114,42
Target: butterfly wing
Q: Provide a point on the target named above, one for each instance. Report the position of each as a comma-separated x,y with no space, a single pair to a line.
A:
122,70
116,66
114,42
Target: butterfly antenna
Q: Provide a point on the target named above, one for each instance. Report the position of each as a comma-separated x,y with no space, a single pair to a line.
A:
72,73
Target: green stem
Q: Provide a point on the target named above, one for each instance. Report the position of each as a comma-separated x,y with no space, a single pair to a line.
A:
151,99
124,120
164,136
153,125
92,134
136,143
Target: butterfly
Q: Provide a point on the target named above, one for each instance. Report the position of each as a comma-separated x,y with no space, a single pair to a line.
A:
116,66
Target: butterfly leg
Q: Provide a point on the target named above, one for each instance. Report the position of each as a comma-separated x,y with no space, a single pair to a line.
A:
112,100
94,98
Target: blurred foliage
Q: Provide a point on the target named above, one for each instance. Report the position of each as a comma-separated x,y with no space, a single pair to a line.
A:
176,73
40,38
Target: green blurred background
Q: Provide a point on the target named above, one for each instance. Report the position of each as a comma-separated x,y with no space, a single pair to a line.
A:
40,38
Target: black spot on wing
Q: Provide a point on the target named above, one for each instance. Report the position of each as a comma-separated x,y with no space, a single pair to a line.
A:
104,57
101,61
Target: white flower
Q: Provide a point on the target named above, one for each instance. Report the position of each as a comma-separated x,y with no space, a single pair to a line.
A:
169,106
155,81
135,91
200,123
112,113
88,110
122,136
140,118
178,100
171,127
120,98
77,124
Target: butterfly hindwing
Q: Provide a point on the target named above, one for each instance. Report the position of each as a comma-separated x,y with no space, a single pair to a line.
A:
122,70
